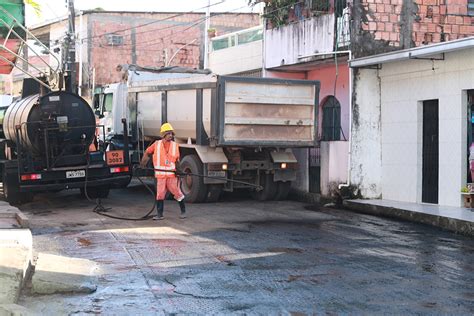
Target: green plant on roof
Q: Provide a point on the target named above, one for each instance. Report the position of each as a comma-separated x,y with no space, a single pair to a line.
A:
35,5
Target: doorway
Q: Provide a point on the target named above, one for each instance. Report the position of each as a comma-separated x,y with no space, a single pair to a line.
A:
430,173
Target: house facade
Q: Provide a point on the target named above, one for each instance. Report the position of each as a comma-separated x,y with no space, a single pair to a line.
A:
413,123
315,39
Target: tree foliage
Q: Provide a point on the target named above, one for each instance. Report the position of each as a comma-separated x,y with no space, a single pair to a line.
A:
276,11
35,6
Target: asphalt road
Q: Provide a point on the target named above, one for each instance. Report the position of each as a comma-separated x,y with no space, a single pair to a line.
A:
246,257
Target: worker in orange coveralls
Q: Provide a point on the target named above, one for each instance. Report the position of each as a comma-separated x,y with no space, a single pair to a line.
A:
165,158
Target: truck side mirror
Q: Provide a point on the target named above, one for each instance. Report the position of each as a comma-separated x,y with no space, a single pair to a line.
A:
100,115
96,101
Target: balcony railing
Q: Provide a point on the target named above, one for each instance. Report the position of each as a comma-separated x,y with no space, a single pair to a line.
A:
237,38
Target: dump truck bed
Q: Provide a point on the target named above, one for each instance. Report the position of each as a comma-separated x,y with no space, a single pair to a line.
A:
229,111
267,112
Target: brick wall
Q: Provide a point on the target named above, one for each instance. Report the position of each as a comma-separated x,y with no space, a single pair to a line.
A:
396,24
150,45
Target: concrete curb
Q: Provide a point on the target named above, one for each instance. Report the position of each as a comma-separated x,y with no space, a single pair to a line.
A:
308,197
16,252
305,197
455,225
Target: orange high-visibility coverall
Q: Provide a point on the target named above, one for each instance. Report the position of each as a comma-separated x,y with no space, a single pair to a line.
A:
165,154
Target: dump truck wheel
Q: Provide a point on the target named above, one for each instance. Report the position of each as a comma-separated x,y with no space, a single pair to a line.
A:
269,188
193,187
214,192
283,189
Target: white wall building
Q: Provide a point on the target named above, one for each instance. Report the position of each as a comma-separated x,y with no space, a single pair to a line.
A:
413,123
238,53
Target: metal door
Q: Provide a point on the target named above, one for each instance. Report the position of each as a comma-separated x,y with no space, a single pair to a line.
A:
430,152
315,170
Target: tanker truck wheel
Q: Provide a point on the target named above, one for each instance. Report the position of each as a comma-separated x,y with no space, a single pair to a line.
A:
269,188
193,187
11,192
100,192
122,184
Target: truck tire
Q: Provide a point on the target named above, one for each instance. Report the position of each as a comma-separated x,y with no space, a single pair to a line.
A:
269,188
213,192
122,184
193,187
283,188
100,192
11,190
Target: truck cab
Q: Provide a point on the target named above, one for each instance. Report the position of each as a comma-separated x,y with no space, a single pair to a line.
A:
105,101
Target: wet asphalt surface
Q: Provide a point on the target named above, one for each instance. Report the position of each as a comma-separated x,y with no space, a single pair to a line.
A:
239,256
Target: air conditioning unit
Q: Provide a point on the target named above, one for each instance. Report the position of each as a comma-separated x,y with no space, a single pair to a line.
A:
114,40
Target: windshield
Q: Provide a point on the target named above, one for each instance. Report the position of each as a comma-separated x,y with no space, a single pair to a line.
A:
108,102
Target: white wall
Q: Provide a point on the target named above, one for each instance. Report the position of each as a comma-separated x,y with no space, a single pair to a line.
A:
334,157
235,59
366,150
283,45
404,86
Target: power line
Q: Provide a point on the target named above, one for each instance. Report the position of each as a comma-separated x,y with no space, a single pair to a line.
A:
159,29
157,40
174,26
155,21
198,21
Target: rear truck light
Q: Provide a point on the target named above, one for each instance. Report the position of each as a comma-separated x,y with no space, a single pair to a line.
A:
119,169
283,165
224,166
32,176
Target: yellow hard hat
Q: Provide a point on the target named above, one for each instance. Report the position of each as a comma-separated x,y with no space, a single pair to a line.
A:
166,128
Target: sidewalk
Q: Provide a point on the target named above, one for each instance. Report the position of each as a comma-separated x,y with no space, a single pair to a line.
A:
456,219
16,245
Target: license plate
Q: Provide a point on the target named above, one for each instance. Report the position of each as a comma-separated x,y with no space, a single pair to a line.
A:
217,174
114,157
75,174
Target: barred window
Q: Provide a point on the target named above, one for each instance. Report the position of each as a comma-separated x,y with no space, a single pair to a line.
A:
331,119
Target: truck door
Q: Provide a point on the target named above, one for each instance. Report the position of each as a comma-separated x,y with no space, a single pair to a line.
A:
107,114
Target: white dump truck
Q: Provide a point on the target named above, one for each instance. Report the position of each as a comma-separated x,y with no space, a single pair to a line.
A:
228,127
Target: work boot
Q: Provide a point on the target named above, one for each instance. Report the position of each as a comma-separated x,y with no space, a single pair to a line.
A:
159,210
183,209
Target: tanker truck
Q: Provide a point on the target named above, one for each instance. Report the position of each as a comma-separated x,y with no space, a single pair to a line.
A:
228,127
47,144
47,136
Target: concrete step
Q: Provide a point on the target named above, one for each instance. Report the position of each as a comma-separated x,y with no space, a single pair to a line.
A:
16,245
58,274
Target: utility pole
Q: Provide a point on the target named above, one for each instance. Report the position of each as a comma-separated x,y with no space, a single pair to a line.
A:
70,53
206,35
